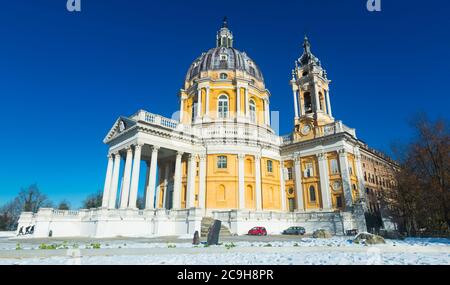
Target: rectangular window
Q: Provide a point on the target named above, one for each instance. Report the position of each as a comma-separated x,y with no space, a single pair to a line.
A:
290,173
309,171
339,202
334,166
222,162
270,166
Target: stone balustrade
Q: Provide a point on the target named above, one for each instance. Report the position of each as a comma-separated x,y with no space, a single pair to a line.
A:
323,131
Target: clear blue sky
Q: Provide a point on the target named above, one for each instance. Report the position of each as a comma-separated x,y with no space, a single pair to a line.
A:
66,77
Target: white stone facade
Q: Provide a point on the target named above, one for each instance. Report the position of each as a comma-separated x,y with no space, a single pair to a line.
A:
145,137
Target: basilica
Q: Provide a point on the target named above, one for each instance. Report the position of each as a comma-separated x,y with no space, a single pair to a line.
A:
221,159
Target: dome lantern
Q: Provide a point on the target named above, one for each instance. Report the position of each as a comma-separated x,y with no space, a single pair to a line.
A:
224,35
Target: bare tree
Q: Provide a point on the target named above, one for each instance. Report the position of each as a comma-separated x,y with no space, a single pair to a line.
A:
421,200
64,205
93,201
29,199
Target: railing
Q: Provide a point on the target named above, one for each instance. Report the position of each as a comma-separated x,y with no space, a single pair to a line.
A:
232,215
158,120
65,213
225,130
323,131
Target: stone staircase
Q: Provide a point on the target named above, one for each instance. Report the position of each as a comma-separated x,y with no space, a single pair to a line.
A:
207,222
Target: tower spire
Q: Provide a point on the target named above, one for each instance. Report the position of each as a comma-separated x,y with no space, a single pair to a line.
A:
225,22
306,45
307,56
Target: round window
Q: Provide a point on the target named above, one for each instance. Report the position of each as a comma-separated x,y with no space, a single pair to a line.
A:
223,76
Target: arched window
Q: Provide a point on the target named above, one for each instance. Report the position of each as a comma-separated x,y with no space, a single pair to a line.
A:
307,101
223,76
321,101
221,193
252,107
222,107
249,167
312,194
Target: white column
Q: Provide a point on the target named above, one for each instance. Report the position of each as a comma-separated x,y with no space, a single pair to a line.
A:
241,182
207,101
282,187
177,182
328,104
295,104
298,183
166,185
238,101
181,109
202,182
359,174
125,194
150,197
316,99
346,181
324,182
301,103
266,112
106,188
247,106
135,176
199,103
147,177
190,195
258,183
114,182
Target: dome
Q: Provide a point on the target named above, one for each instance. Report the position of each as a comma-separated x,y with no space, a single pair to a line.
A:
224,57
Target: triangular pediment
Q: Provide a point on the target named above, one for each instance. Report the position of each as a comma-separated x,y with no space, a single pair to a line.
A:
121,125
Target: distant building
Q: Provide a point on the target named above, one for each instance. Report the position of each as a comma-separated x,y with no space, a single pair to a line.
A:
223,160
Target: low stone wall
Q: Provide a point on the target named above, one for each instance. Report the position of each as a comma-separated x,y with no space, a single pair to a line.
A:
240,222
105,223
102,223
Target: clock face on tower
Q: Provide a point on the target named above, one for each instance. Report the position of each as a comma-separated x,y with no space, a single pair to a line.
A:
306,129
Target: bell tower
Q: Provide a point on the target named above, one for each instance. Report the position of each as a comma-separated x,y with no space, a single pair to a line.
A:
310,87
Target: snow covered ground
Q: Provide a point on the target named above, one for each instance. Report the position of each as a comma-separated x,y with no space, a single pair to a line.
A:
233,251
7,234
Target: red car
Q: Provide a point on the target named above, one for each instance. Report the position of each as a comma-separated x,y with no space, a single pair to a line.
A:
257,231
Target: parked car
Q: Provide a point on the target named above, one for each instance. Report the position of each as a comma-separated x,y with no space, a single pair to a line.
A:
295,231
257,231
